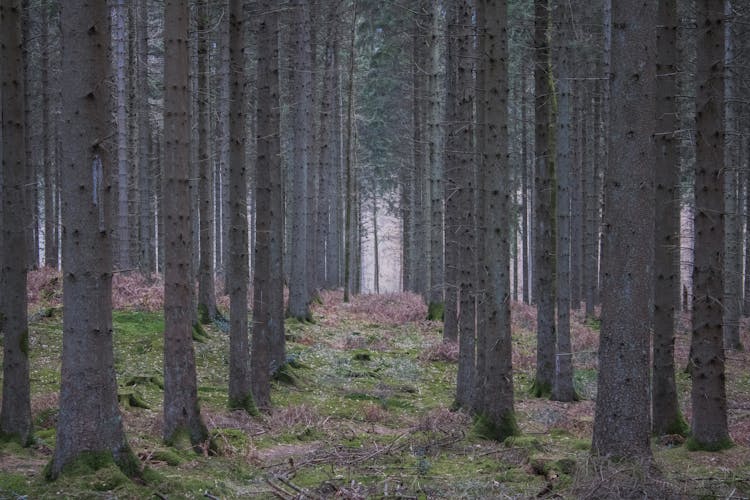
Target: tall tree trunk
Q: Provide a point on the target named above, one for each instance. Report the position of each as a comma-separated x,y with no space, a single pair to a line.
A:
498,385
89,422
452,177
206,291
708,394
375,246
544,229
122,249
562,387
302,89
525,267
665,408
145,161
732,228
50,191
466,204
349,177
622,423
436,173
240,394
268,299
182,418
15,414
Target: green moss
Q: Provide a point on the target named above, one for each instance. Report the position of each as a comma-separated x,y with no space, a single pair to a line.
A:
24,342
362,355
199,333
582,444
13,485
679,426
486,428
203,317
285,375
131,398
693,444
247,403
89,462
229,438
540,390
170,457
435,311
183,439
527,442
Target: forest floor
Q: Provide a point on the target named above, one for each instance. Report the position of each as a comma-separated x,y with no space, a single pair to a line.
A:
365,413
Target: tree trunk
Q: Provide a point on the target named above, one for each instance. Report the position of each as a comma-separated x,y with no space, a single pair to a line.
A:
498,385
206,292
50,191
268,299
240,394
708,395
562,387
15,414
89,422
450,329
525,267
665,408
122,249
465,201
349,178
145,164
301,118
732,229
622,423
182,418
544,229
375,244
436,131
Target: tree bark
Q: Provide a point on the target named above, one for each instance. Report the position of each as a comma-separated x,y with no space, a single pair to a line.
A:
122,249
145,164
89,421
240,394
465,200
301,118
498,385
562,387
544,230
707,359
15,414
182,418
665,408
206,291
622,423
268,298
349,178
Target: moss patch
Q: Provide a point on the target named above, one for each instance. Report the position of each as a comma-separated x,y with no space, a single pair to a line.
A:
487,428
693,444
435,311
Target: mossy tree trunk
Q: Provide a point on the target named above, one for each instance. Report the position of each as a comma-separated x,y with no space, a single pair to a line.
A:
707,359
181,411
622,416
89,421
15,414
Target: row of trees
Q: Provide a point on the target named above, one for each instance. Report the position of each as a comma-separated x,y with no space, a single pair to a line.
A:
558,166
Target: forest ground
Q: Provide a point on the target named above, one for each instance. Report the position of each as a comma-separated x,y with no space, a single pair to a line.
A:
363,412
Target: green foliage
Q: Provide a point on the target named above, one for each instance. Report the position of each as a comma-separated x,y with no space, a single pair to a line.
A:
362,355
520,441
594,323
436,311
499,430
169,456
693,444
